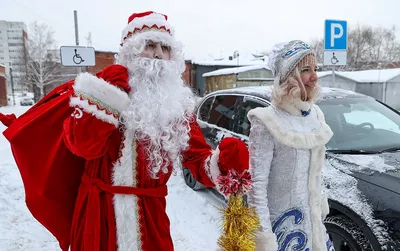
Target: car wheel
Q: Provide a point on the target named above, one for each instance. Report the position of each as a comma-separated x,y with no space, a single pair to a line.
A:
345,234
190,180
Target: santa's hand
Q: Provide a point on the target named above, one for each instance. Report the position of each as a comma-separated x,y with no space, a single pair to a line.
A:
229,167
233,154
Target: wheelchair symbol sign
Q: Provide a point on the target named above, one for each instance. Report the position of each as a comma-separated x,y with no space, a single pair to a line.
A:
334,59
77,58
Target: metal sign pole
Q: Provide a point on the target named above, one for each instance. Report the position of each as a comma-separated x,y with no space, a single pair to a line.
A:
77,34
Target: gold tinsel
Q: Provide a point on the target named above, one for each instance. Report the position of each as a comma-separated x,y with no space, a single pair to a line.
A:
239,226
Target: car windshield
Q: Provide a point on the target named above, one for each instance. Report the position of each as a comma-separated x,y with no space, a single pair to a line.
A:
361,124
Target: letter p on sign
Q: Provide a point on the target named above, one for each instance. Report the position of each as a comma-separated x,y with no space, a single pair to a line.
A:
335,35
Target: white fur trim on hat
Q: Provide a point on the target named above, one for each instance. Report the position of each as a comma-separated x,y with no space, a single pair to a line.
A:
151,22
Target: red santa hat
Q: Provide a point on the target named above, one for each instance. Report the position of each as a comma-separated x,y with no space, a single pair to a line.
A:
140,23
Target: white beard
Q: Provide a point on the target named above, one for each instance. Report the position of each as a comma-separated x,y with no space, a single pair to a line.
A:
160,111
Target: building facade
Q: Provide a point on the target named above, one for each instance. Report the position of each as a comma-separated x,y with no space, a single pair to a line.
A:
255,75
3,86
13,52
383,85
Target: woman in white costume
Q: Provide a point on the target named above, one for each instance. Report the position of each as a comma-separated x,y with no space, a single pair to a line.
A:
287,151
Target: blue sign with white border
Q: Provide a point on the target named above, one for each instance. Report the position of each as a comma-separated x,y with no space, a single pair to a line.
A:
335,35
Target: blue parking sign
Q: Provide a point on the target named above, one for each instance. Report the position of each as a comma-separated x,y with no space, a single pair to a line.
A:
335,35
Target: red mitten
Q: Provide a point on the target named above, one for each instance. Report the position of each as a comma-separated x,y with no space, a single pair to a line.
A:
233,155
7,119
116,75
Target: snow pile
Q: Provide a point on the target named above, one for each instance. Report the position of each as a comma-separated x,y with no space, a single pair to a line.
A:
359,163
195,222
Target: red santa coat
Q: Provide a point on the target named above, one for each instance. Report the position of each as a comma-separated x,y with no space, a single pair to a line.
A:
119,206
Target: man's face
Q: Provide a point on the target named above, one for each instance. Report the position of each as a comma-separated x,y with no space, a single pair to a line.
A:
155,50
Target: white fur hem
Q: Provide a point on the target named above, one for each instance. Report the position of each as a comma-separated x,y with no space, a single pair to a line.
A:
266,242
314,188
291,138
101,91
126,206
324,206
92,109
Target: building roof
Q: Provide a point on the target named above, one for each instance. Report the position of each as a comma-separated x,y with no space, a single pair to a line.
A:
107,52
366,76
236,70
321,74
226,62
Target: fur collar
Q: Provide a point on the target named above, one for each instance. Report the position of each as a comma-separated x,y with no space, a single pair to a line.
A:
296,107
294,139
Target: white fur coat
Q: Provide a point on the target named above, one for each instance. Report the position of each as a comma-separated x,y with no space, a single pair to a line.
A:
287,154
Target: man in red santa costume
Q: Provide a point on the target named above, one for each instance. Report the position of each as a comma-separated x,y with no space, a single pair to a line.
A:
133,124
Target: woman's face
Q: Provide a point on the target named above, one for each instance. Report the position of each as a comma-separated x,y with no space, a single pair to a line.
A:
308,74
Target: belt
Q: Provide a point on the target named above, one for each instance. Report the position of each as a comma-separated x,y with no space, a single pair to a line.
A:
97,186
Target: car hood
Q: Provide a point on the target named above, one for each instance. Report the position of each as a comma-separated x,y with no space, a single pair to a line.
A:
381,169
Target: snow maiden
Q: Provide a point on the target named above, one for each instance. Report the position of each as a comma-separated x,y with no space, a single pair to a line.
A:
287,151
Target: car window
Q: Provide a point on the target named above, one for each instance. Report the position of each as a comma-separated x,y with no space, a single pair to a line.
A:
361,124
205,109
242,124
223,110
362,113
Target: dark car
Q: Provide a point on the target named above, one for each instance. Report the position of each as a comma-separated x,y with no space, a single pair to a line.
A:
362,167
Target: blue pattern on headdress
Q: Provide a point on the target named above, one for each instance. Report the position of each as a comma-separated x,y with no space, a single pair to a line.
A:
298,46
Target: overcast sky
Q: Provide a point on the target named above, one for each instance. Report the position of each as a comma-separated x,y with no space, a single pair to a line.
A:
205,27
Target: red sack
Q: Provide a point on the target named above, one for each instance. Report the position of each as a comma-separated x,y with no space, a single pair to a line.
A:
50,172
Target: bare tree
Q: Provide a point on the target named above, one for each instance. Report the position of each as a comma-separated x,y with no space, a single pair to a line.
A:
42,68
367,47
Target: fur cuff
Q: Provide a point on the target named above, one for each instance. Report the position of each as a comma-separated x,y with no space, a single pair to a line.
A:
266,242
94,110
101,93
212,167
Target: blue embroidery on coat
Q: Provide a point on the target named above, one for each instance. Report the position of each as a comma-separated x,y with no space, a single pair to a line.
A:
329,245
286,236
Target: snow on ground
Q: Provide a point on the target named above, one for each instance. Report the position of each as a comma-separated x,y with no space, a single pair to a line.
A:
195,222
